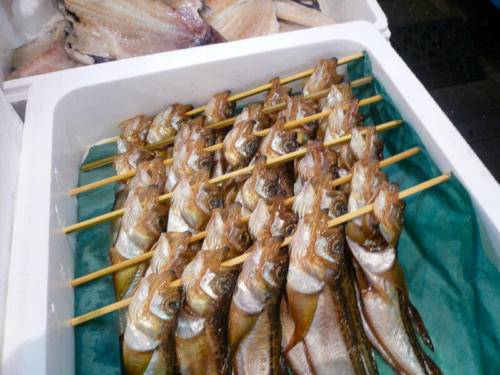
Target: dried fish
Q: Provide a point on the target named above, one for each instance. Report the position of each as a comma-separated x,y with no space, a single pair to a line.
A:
343,118
194,129
254,112
291,11
254,330
219,108
275,96
192,204
323,77
220,163
104,30
240,144
296,109
390,320
167,123
263,184
149,340
201,333
272,220
240,19
133,132
338,94
278,141
226,229
129,161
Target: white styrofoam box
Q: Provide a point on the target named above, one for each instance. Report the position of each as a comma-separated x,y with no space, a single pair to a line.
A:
341,10
65,116
11,129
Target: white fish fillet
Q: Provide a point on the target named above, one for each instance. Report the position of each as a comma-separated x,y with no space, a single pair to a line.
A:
240,19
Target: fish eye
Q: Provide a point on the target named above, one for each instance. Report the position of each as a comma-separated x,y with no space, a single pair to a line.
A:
340,208
290,146
244,238
290,229
214,202
272,190
337,246
206,164
223,285
252,147
172,307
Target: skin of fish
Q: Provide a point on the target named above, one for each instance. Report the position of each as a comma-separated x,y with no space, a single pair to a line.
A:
337,95
201,333
264,184
297,108
194,129
272,220
324,75
240,144
275,96
167,123
226,229
133,132
254,112
219,108
192,204
220,165
278,141
254,330
383,290
149,340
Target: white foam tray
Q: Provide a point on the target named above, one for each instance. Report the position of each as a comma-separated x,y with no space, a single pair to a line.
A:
63,117
344,11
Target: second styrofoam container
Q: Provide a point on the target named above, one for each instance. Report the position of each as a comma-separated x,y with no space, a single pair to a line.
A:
341,10
64,117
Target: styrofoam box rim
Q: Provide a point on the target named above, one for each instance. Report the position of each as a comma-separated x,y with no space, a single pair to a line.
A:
17,90
28,308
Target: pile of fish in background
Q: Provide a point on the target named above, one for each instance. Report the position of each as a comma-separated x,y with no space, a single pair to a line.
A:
317,306
82,32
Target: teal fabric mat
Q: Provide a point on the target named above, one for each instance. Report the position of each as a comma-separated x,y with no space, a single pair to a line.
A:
451,282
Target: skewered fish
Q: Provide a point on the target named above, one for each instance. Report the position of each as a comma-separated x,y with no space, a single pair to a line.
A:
263,184
321,313
296,109
194,129
129,161
254,112
390,319
192,204
141,226
236,19
275,96
272,220
201,333
323,76
343,118
133,132
240,144
219,107
220,162
254,330
317,161
105,30
167,123
226,229
190,159
338,94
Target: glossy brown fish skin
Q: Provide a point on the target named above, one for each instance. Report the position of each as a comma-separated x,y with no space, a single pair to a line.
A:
189,160
361,147
272,220
133,132
194,129
240,144
201,333
141,225
192,204
278,141
254,112
149,340
296,109
390,319
275,96
219,107
337,95
220,164
263,184
167,123
317,161
129,161
254,331
227,229
323,76
343,118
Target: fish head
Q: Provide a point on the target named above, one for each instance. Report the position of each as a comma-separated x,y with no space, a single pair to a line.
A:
206,282
284,221
219,107
208,196
134,130
336,202
236,230
389,210
271,263
266,181
323,76
178,115
129,160
231,188
196,159
240,144
262,121
149,172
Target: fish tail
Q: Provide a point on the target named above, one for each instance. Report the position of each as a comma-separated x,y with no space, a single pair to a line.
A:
418,324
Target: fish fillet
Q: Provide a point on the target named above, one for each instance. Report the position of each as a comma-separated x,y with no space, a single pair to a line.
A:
102,30
299,14
240,19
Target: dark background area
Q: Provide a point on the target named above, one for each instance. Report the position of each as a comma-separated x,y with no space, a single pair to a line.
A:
453,46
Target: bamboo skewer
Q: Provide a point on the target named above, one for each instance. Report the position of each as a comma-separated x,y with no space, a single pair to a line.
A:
271,162
221,124
199,236
240,259
218,146
265,87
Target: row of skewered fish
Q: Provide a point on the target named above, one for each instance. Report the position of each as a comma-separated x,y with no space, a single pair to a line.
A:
95,31
316,306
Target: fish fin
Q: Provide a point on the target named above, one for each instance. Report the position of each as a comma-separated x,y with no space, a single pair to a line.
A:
239,328
418,324
305,201
302,309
